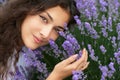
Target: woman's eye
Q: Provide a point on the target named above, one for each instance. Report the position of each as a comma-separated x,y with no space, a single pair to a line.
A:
58,30
44,19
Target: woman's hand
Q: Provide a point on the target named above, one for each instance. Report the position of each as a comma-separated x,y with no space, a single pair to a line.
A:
65,67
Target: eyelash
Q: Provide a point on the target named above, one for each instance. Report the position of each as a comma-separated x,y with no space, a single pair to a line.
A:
58,30
44,19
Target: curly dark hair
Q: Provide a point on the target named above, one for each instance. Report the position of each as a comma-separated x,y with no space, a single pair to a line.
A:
12,14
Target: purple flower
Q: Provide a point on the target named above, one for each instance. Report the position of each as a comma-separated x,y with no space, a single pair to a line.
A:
104,21
63,34
118,31
87,8
117,56
113,41
78,21
103,5
68,47
78,75
32,61
113,9
105,34
92,53
73,41
91,31
107,71
110,24
53,44
112,69
104,70
19,76
102,48
55,48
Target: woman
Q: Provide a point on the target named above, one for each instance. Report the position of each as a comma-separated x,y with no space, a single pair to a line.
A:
32,23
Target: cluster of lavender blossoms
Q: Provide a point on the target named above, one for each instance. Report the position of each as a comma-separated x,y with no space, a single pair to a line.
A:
32,64
98,30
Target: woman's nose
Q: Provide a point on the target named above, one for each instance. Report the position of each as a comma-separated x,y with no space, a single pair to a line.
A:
46,31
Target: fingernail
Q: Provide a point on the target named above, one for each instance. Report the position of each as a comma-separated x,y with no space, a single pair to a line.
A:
84,50
75,56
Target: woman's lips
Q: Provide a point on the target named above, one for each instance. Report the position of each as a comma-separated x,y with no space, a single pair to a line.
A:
36,39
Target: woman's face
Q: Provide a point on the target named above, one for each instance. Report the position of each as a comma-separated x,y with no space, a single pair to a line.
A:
37,30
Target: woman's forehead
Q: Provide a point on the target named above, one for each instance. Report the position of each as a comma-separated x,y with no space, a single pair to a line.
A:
58,14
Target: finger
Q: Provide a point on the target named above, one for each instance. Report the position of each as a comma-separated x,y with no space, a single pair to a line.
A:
84,67
82,59
71,59
79,67
86,55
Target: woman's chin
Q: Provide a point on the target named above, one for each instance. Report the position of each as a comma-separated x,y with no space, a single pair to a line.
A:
32,47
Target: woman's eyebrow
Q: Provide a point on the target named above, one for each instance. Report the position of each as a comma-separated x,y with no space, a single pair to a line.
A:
49,16
52,20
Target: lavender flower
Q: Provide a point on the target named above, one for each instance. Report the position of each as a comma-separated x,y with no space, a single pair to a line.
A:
68,47
74,42
104,70
110,24
32,62
19,76
78,75
61,33
91,31
107,71
118,31
88,8
92,53
117,56
113,9
55,48
112,69
78,21
103,5
102,48
113,41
